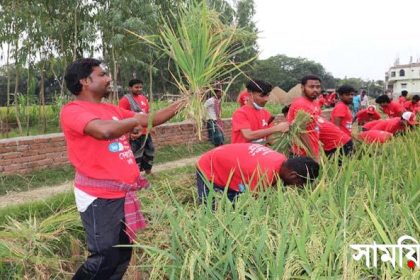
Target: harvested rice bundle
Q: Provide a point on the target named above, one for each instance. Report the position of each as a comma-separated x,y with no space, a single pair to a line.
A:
283,142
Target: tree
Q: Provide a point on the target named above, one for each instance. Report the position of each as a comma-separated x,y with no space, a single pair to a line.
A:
286,72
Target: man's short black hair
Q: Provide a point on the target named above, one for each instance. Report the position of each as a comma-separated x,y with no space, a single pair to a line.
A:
415,98
285,110
309,77
134,82
79,69
305,167
382,99
404,93
345,89
259,86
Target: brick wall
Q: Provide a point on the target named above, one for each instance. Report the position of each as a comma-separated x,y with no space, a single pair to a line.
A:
25,154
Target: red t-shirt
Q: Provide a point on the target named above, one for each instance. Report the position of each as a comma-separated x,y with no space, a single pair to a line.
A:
98,159
375,136
330,135
331,98
312,108
365,115
341,110
241,164
322,101
402,100
409,106
244,97
369,125
393,125
393,109
249,117
141,100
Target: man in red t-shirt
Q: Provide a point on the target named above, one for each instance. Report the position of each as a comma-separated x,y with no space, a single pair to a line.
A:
367,115
333,138
331,99
341,115
397,124
142,146
322,101
390,107
311,87
330,136
413,105
375,136
107,176
243,98
249,166
252,123
403,97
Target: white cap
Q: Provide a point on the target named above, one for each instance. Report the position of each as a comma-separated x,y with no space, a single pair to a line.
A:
409,117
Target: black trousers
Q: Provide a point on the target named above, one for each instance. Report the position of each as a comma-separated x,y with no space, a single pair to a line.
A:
203,190
144,152
104,224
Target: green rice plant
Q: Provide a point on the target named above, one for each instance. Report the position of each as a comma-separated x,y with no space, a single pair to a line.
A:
202,49
296,234
283,232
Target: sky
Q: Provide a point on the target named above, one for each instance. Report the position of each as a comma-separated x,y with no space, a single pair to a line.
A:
357,38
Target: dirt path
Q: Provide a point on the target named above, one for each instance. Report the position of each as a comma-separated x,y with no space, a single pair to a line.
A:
14,198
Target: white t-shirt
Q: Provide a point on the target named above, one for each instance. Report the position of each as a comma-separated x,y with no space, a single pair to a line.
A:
83,200
211,108
364,101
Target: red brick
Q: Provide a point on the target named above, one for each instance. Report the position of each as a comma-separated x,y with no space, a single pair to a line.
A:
11,155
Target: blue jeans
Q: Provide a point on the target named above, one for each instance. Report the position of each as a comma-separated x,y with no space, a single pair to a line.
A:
144,152
103,222
203,190
216,136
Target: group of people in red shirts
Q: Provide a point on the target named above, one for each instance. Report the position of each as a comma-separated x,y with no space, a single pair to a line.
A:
100,136
249,159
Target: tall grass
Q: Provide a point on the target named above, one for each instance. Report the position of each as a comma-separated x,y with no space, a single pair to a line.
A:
283,233
296,234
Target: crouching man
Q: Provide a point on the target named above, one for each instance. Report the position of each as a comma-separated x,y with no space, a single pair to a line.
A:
246,165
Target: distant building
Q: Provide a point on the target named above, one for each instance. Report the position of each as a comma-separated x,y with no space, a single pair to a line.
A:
403,77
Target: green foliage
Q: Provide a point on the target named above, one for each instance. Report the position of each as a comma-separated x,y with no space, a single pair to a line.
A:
36,179
290,233
202,49
283,233
286,72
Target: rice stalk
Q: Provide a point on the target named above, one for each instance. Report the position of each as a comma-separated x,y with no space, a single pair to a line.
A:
283,142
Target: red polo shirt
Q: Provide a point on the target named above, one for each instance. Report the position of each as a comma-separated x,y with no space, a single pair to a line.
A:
330,135
249,117
369,125
141,100
365,115
99,159
244,97
375,136
402,100
393,125
393,109
312,108
341,110
241,164
412,107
